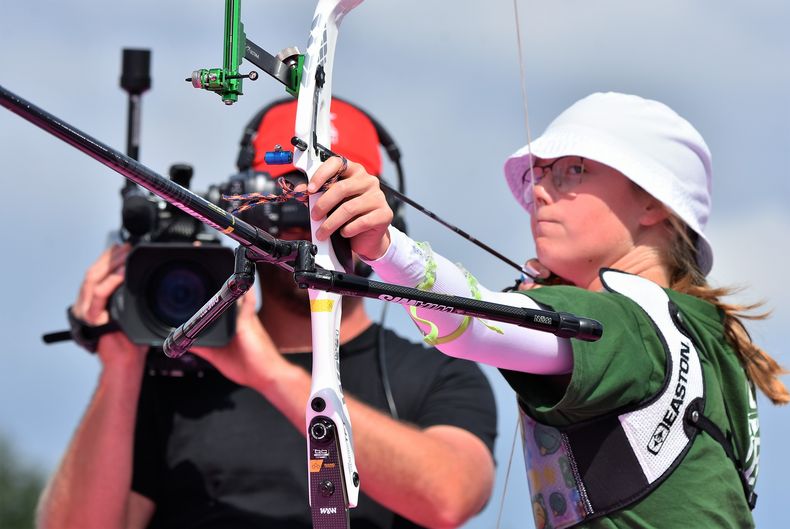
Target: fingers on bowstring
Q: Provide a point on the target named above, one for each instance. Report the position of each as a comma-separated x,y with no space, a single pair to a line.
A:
533,275
537,269
528,284
542,275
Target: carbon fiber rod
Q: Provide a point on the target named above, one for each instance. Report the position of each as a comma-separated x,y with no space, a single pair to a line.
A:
263,246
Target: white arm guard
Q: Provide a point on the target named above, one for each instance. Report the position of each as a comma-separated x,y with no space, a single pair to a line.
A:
498,344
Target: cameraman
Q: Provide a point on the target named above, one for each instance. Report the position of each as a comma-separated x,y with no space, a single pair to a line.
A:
227,449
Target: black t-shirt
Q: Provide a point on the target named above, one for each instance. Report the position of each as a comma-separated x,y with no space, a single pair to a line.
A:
213,454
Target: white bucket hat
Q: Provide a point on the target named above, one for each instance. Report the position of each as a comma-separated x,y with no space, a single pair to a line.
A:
645,140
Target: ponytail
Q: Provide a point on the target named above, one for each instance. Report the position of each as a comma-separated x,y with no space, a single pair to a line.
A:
685,277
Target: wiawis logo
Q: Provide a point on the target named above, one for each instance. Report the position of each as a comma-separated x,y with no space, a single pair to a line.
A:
657,439
328,510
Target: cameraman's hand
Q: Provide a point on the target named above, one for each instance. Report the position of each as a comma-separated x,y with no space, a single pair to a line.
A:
101,280
251,357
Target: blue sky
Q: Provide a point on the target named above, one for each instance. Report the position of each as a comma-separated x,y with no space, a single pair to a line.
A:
443,77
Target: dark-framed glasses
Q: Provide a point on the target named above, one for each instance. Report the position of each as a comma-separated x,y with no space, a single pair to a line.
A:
565,174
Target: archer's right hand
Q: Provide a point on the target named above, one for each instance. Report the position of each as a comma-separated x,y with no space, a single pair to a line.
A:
540,276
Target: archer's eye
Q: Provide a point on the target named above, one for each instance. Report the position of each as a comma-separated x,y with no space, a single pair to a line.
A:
573,166
567,173
575,169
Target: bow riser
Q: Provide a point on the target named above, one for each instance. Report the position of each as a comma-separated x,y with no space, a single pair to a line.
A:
334,482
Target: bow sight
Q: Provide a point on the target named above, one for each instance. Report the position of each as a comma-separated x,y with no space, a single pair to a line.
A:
286,67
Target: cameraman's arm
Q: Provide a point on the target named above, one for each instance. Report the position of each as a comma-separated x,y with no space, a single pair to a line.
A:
91,487
405,468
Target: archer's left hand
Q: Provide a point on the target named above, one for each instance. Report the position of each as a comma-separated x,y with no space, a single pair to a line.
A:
354,205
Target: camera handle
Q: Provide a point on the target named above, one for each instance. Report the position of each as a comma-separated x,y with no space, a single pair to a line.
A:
180,340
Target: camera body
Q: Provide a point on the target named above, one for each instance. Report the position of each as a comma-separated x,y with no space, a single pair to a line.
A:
174,268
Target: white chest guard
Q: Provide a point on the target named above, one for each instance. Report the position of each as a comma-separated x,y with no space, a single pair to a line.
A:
589,469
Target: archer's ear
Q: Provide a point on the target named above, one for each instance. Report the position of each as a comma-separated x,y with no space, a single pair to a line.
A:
654,212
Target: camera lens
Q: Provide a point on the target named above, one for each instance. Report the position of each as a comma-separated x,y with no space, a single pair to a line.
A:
176,291
165,284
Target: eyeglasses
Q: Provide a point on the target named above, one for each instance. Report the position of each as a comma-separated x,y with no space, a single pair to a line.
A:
566,173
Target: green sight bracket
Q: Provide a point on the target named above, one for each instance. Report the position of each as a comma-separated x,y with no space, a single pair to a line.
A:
287,67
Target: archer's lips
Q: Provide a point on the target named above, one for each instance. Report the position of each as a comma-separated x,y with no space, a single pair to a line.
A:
538,226
543,222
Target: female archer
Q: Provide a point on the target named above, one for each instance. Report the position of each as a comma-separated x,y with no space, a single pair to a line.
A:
655,424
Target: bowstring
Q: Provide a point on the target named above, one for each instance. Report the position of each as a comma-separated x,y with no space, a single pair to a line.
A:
523,82
524,98
507,474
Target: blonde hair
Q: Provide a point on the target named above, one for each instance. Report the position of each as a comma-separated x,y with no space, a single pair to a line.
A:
685,277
